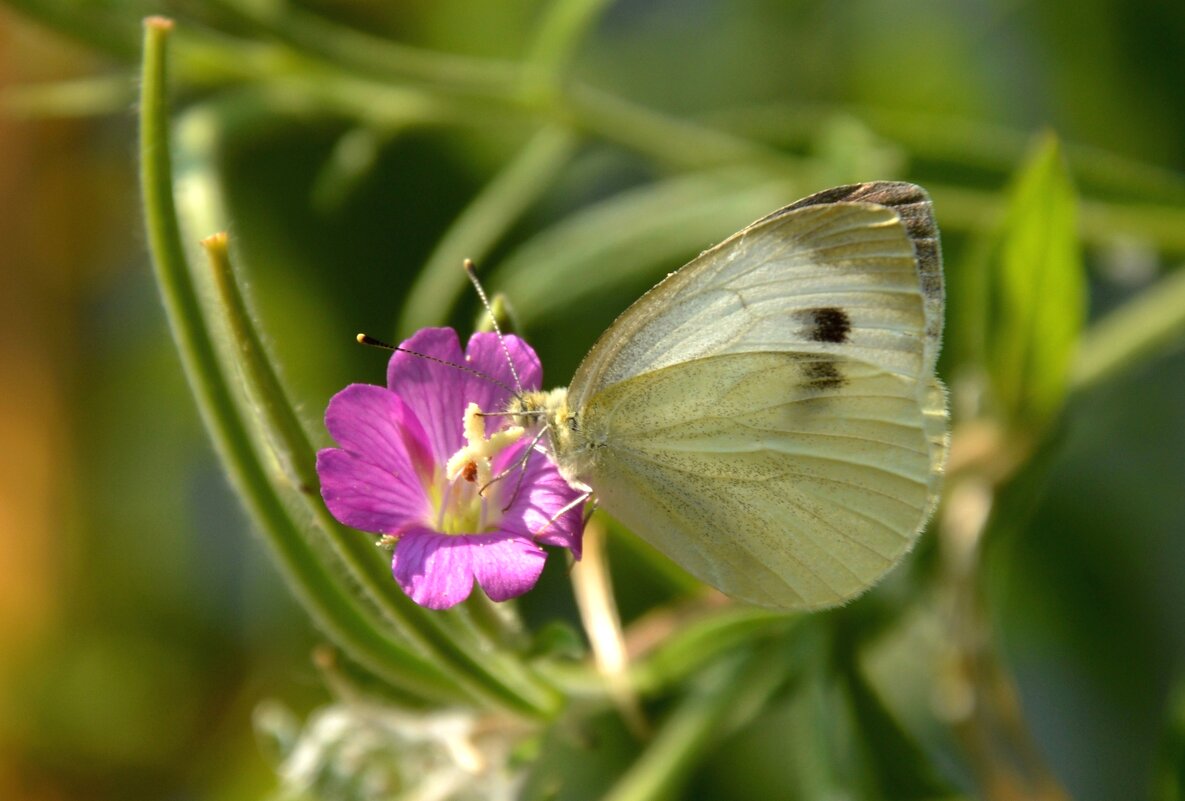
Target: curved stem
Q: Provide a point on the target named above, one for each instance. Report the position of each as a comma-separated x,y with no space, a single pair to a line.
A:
352,627
454,648
1134,332
332,610
720,699
555,43
479,227
593,588
986,718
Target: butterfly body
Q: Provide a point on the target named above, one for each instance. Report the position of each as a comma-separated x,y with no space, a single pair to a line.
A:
768,415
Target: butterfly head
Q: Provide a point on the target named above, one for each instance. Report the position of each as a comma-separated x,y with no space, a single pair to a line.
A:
551,412
534,409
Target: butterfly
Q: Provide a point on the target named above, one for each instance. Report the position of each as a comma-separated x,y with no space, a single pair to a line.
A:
768,416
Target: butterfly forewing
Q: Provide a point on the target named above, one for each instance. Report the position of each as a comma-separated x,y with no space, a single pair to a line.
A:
774,287
912,205
768,415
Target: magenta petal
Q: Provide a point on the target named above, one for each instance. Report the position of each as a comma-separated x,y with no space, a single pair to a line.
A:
433,569
505,565
439,393
541,496
434,391
394,444
374,424
438,571
485,353
368,497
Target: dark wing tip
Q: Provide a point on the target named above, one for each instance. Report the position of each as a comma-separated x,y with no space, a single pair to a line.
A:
913,206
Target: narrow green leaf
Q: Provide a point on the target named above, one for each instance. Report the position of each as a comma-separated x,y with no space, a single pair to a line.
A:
454,651
338,616
1038,292
896,766
702,640
445,638
1170,768
1140,329
482,224
556,40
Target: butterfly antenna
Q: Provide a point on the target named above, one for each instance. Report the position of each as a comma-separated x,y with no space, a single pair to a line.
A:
471,271
368,340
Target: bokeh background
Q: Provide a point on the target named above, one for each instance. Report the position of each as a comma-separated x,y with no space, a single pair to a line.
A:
140,621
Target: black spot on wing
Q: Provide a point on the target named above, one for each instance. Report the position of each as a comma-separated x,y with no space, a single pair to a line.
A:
916,212
822,374
827,324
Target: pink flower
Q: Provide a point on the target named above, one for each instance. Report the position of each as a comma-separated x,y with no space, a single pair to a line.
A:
389,474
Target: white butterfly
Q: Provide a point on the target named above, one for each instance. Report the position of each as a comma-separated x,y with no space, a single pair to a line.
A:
768,416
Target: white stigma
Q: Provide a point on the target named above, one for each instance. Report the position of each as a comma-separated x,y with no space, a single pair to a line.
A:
479,450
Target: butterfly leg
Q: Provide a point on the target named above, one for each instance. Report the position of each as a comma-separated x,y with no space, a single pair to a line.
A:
585,494
520,465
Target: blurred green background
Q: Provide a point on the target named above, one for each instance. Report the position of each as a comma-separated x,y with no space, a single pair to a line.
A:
140,621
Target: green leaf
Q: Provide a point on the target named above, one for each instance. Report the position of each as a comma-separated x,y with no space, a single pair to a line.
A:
1037,292
481,225
253,431
354,629
896,765
1170,779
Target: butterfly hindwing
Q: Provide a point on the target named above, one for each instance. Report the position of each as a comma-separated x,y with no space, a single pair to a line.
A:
768,416
773,486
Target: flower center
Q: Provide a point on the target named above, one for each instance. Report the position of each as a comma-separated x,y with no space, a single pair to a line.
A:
462,505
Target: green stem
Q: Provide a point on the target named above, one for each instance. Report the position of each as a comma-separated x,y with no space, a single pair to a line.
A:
690,646
951,138
555,43
1132,333
326,57
333,611
453,648
668,140
1099,222
360,53
479,227
726,692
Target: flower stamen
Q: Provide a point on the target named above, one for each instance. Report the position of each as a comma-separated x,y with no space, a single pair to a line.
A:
479,450
468,472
